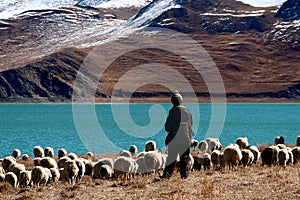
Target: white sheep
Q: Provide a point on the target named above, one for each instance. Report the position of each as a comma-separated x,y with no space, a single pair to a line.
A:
141,165
16,168
283,157
89,154
232,155
247,157
203,147
61,153
49,152
213,143
133,150
242,142
124,167
81,167
48,162
25,157
70,172
12,179
255,152
55,174
99,163
125,153
40,175
150,145
7,161
38,152
215,158
73,156
106,172
16,153
153,161
25,179
141,154
191,162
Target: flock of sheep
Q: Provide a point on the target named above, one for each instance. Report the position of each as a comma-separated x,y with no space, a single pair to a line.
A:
211,153
70,168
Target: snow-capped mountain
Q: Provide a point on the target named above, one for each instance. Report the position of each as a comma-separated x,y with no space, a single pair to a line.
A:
43,43
215,16
263,3
11,8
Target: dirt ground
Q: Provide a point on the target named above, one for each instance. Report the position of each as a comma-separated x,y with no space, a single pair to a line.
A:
254,182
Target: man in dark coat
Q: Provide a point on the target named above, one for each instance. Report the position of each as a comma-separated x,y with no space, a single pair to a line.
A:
179,127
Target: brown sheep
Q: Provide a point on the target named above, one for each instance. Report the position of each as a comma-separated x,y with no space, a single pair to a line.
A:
296,154
38,152
283,157
194,144
279,140
150,146
298,141
40,175
255,152
49,152
242,142
269,155
61,153
70,172
25,179
206,159
16,153
48,162
12,179
7,161
215,159
247,157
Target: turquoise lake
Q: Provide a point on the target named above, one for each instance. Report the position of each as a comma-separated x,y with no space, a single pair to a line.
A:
24,126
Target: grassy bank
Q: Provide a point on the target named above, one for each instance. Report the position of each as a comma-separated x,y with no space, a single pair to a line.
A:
254,182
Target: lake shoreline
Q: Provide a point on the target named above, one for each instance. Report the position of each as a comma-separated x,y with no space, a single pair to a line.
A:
166,100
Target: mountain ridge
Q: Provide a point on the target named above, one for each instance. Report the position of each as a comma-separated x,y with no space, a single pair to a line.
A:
244,45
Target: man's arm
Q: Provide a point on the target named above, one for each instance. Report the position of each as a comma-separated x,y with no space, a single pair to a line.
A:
168,124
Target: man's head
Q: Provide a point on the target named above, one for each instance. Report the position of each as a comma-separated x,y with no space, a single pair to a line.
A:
176,98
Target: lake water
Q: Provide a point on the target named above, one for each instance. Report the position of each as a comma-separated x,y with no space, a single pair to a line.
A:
116,127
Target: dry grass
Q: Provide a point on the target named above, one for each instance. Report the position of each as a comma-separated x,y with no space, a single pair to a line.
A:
246,183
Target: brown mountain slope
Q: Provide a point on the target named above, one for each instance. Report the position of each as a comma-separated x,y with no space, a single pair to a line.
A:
249,68
254,64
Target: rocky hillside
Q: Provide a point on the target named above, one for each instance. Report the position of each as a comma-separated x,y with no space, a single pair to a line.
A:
215,16
290,10
255,49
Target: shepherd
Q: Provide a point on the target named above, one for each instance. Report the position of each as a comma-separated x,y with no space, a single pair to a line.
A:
179,127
